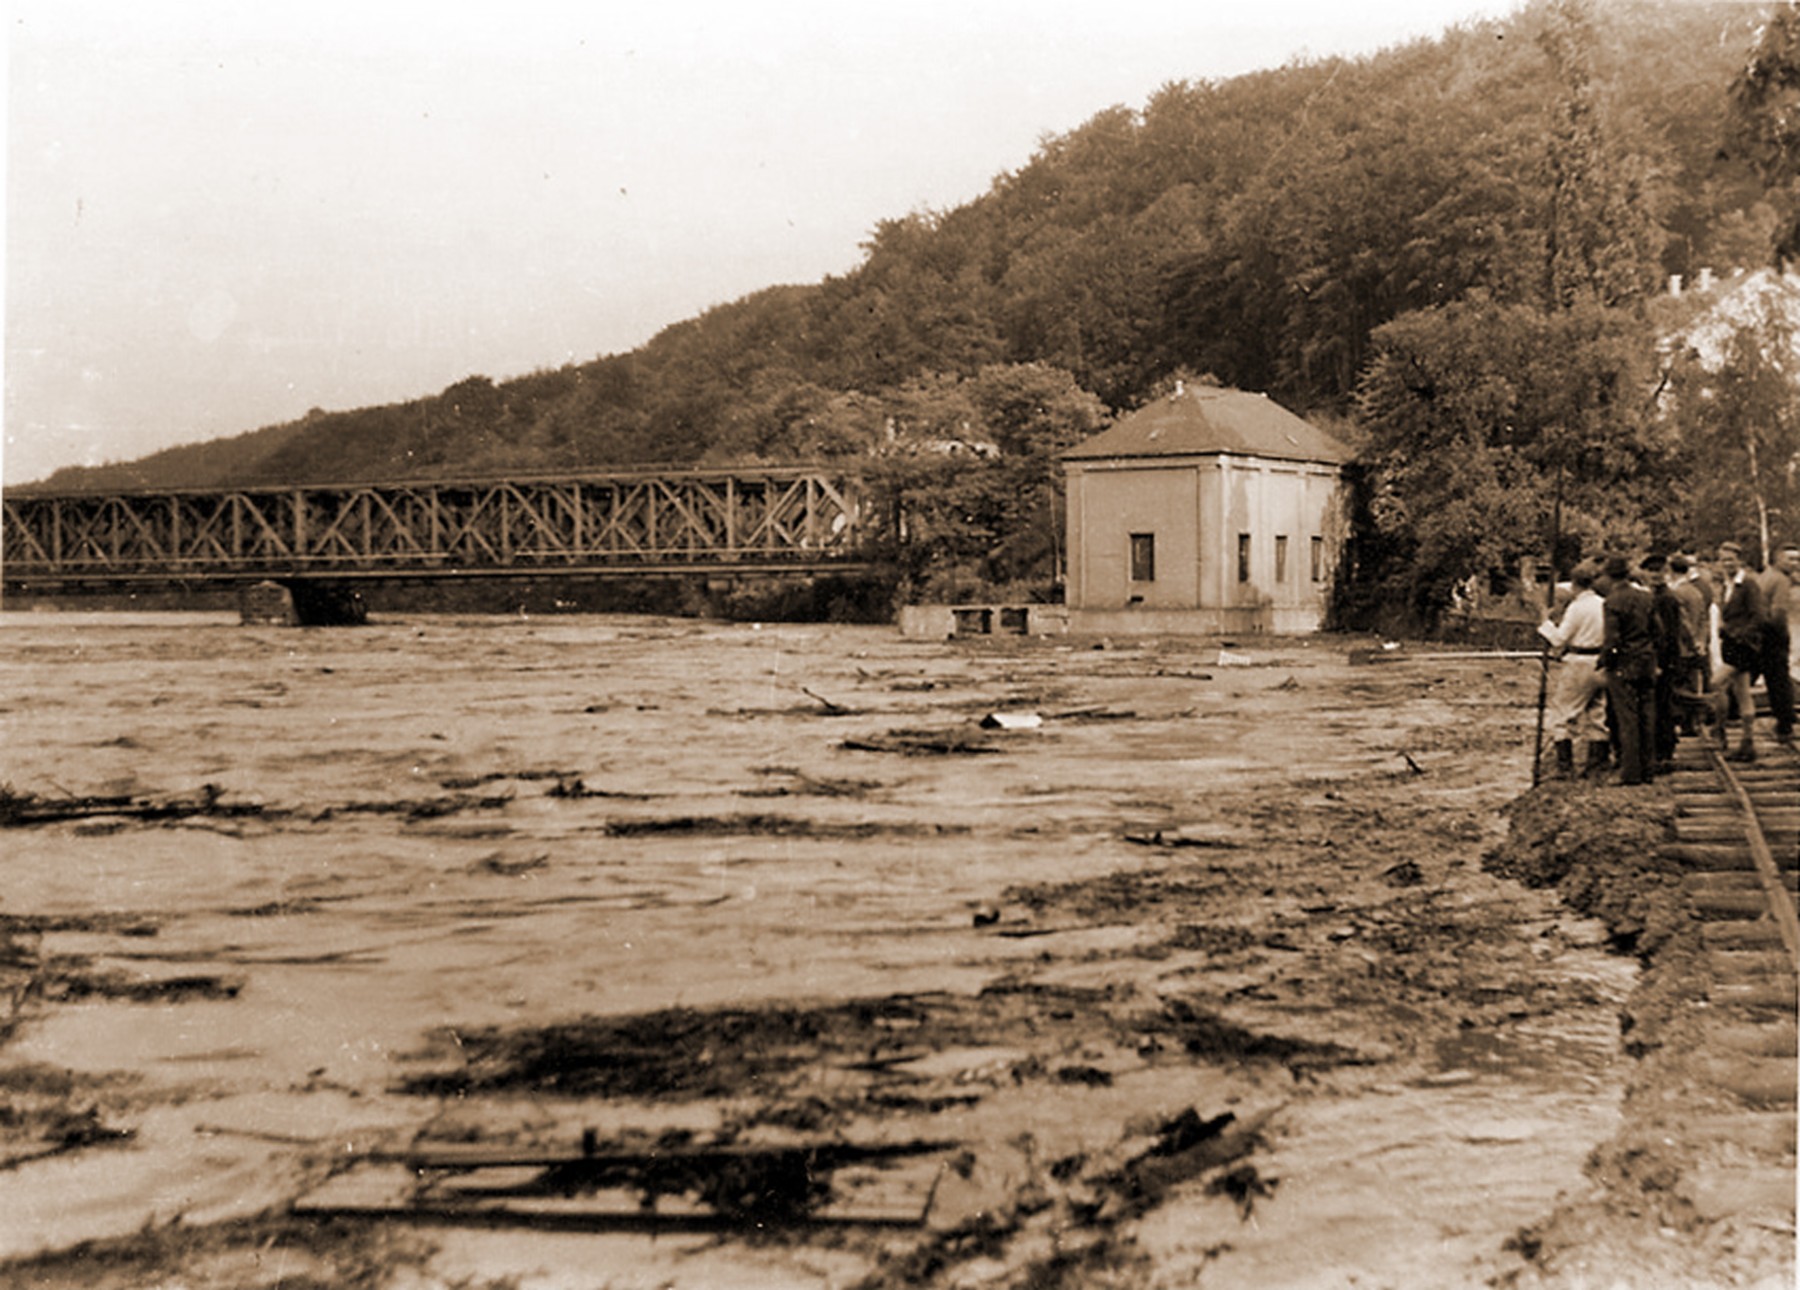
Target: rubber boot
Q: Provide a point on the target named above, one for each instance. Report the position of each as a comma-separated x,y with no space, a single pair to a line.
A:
1599,756
1565,759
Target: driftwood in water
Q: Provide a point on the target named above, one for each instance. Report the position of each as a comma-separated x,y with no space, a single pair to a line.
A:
669,1181
21,810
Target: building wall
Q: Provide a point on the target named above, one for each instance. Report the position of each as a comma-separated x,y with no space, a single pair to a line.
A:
1206,515
1106,507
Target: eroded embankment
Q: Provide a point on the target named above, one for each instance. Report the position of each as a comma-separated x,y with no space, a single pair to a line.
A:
1605,850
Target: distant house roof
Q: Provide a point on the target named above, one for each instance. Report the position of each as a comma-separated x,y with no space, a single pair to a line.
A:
1207,419
1738,303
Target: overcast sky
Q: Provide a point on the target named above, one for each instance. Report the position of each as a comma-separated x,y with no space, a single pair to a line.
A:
221,215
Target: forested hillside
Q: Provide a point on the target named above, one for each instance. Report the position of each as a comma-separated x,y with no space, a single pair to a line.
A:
1342,234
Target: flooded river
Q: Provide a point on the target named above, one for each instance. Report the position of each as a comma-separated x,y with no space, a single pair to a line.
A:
431,835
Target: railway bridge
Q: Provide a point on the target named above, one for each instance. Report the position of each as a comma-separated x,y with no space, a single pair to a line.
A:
757,521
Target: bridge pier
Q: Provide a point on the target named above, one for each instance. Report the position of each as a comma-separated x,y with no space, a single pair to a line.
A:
320,603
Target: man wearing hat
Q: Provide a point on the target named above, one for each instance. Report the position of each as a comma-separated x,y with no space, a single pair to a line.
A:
1695,598
1577,698
1740,647
1667,633
1628,657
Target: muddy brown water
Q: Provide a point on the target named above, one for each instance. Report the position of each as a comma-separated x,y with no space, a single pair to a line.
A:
1253,889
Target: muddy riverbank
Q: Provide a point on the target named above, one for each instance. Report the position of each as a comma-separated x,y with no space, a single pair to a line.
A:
1193,968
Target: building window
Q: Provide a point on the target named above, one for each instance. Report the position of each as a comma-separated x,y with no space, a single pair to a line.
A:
1143,557
1281,557
1243,557
1318,559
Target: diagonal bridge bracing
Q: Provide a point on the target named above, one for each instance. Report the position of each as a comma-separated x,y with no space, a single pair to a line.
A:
787,519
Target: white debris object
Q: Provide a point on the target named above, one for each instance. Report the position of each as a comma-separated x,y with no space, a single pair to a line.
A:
1011,721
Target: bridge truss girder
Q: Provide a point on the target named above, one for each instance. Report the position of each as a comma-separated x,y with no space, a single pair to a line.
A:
787,517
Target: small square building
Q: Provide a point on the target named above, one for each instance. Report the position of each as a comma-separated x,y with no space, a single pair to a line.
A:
1211,510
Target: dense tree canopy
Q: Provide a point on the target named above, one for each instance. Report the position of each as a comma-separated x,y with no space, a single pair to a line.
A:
1765,117
1498,430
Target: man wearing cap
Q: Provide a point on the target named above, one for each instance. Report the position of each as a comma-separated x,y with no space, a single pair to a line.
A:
1740,648
1693,596
1575,711
1628,657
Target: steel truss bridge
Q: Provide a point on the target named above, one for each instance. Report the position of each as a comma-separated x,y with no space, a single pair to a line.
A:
756,521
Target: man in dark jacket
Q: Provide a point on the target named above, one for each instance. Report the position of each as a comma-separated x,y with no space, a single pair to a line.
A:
1740,647
1667,634
1629,658
1694,595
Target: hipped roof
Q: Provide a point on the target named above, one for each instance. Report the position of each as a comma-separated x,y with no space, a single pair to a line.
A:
1207,420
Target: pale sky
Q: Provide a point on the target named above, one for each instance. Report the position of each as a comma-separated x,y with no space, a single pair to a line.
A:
220,215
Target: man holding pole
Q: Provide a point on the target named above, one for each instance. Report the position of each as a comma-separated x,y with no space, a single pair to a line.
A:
1575,705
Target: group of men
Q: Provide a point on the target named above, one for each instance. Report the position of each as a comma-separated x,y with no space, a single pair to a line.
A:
1666,647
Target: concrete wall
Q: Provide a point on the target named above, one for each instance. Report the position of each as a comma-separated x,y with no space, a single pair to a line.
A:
941,622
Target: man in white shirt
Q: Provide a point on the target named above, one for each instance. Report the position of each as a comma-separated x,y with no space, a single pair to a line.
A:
1576,704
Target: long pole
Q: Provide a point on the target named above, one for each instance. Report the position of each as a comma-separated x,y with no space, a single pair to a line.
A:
1537,747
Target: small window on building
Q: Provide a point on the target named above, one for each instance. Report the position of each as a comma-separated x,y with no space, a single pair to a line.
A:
1318,559
1143,557
1281,557
1243,557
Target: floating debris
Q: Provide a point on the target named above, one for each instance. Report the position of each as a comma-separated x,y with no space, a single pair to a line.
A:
1011,721
667,1181
25,809
925,743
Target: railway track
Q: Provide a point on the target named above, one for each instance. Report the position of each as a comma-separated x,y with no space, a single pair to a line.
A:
1737,848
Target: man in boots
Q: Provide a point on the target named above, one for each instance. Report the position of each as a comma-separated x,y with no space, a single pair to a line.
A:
1628,658
1740,648
1666,634
1694,598
1577,694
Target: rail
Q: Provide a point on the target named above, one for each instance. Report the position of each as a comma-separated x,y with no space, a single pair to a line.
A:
1780,901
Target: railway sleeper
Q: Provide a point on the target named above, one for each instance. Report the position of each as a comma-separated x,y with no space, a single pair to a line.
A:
1775,1039
1766,995
1763,1082
1738,1191
1772,800
1721,856
1762,1133
1773,819
1723,832
1777,795
1720,835
1745,906
1750,965
1706,886
1756,933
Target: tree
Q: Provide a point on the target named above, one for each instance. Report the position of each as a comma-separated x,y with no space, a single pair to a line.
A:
1765,118
968,473
1741,418
1480,416
1603,235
